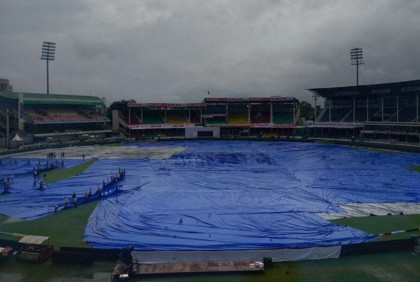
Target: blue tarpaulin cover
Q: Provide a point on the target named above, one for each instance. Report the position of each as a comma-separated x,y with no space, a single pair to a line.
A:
214,195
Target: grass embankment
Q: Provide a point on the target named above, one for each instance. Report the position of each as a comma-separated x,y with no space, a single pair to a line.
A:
65,228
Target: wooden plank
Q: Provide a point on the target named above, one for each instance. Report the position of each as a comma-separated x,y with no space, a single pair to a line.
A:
197,267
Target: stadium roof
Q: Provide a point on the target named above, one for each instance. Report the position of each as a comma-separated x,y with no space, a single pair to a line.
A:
412,86
53,99
250,100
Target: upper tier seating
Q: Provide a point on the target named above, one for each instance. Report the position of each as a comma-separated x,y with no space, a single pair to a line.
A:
283,117
238,118
152,117
175,117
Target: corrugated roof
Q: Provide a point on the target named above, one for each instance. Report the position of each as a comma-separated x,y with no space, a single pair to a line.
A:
62,99
412,86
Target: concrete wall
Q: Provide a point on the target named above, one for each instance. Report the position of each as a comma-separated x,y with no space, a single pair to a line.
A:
193,132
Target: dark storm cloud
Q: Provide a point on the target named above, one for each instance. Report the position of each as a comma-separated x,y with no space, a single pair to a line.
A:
176,51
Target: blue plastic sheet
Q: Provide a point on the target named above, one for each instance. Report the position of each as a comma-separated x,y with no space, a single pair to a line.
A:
227,195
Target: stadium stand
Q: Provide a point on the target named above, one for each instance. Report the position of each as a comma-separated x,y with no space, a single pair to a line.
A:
238,118
215,113
53,117
216,120
176,117
283,113
237,113
260,113
152,117
195,116
244,117
388,111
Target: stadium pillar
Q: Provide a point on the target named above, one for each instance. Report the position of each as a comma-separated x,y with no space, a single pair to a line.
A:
20,111
398,109
354,109
7,129
382,108
367,108
315,96
48,79
417,107
271,112
329,109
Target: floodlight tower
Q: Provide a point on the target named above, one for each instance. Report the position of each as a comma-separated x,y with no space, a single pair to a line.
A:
48,54
356,56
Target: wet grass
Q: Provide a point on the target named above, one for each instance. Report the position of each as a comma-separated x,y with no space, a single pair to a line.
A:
396,266
65,228
415,168
63,173
13,270
382,224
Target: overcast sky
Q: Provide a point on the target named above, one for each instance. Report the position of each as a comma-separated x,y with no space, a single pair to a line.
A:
177,51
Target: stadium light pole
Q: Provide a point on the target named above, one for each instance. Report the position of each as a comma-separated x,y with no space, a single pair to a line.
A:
48,54
356,56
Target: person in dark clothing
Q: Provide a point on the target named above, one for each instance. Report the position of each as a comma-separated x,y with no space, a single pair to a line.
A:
126,258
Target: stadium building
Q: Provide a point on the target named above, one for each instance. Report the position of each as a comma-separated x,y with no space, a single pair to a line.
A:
5,85
213,117
33,118
383,112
